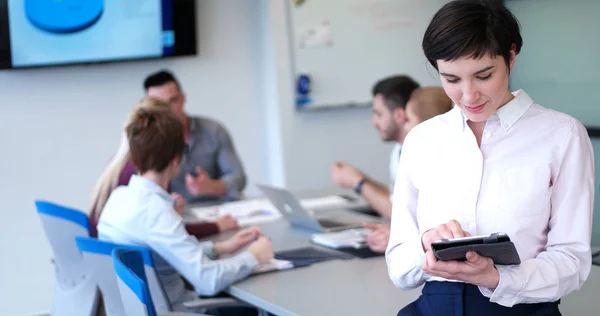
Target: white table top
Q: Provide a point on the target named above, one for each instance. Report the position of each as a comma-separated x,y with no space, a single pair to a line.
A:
354,286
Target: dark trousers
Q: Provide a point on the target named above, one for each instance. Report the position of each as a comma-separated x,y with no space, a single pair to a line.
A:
460,299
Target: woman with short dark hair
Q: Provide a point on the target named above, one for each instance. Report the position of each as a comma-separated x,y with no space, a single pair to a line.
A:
510,165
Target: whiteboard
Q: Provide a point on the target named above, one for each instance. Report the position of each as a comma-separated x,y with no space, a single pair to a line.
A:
345,46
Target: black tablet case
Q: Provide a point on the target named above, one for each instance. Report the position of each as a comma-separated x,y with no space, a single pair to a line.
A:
503,253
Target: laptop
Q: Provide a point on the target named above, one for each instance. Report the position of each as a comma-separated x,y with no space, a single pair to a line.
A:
297,215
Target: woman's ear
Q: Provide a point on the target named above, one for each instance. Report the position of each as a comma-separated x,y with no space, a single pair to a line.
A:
513,57
175,164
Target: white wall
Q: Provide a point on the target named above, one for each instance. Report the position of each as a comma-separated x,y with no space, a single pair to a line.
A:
58,128
311,141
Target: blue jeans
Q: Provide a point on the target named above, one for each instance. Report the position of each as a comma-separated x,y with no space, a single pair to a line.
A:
460,299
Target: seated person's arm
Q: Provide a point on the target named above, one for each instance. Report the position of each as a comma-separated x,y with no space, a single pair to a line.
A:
168,238
222,224
203,185
379,237
378,195
201,230
232,182
234,177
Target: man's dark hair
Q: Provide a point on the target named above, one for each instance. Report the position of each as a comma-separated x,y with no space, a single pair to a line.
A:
155,139
471,28
396,90
159,78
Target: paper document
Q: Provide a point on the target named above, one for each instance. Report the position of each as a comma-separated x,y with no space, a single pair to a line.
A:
355,238
246,212
326,202
316,35
273,265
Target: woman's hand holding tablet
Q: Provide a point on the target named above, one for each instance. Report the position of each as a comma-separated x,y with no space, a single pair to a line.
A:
452,253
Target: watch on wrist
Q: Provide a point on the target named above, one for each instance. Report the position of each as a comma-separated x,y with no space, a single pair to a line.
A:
359,185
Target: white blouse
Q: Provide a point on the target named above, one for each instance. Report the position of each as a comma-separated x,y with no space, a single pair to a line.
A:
532,178
394,160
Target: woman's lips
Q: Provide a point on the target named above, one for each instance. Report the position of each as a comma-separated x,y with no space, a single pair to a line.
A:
475,109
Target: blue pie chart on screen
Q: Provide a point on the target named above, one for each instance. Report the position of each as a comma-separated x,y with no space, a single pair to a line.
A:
63,16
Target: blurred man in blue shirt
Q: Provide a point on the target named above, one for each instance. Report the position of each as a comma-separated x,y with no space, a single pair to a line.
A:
211,168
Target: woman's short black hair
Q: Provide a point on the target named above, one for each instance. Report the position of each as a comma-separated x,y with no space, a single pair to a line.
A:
471,28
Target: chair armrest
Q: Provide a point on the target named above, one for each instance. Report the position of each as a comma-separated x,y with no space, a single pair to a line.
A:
214,303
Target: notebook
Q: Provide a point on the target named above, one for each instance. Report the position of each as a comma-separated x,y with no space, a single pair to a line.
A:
351,241
354,238
300,257
308,255
246,212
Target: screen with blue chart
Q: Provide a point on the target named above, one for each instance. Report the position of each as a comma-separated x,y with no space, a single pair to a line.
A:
37,33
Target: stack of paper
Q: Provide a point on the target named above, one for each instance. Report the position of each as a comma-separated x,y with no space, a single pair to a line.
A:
326,202
246,212
355,238
260,210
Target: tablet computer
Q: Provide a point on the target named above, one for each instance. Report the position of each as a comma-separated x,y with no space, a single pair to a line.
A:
497,246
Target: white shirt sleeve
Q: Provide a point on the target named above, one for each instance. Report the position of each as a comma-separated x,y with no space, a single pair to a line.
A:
565,263
404,254
188,256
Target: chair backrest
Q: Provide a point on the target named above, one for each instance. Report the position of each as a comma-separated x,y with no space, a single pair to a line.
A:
98,258
61,225
131,278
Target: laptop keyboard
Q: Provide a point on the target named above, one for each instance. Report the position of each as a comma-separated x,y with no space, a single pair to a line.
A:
329,223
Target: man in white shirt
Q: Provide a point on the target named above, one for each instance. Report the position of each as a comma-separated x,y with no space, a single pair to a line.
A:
142,213
424,103
390,96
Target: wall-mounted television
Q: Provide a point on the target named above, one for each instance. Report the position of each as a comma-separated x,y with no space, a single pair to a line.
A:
38,33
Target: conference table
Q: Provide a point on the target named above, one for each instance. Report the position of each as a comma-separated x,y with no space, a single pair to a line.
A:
351,286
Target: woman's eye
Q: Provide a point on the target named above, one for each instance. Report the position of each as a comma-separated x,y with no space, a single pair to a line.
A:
485,77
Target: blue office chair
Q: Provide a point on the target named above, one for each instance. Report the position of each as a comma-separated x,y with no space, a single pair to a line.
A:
75,291
133,287
97,257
